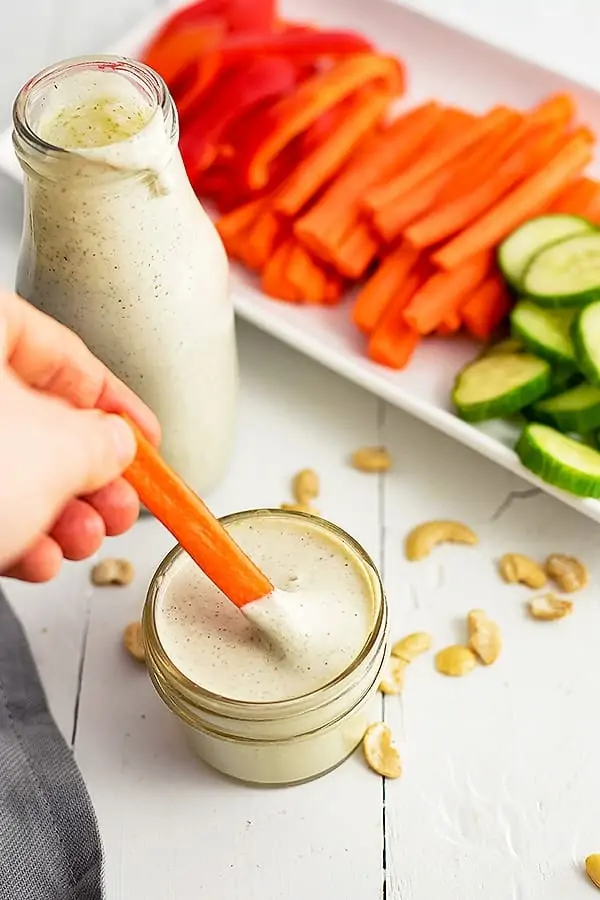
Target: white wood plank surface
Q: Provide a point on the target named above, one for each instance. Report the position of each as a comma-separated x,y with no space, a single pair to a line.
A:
173,828
501,796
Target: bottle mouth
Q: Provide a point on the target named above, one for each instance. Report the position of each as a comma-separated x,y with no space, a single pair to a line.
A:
67,83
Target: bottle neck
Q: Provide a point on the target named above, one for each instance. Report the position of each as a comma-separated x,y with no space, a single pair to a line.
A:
99,117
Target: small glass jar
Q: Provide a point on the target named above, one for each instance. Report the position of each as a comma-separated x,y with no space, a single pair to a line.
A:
117,247
286,741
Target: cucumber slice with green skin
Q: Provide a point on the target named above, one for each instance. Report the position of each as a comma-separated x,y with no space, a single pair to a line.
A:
563,378
586,340
546,332
575,410
566,274
497,386
519,248
560,460
508,345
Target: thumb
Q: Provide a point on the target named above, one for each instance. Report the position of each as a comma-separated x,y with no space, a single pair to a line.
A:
95,448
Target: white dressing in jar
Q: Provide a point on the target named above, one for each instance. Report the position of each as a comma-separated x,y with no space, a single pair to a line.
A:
117,247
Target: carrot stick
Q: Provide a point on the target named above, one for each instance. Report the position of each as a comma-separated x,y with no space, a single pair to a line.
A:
450,324
294,114
308,279
486,308
534,153
353,257
557,109
323,163
200,534
260,240
442,152
335,214
580,198
393,342
274,281
444,292
233,225
528,199
391,220
383,286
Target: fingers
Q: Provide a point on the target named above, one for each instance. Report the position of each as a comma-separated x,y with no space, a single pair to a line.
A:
41,563
50,358
118,505
79,530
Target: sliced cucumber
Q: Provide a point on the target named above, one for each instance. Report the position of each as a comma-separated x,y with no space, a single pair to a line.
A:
566,274
517,251
546,332
586,340
560,460
508,345
498,386
563,378
575,410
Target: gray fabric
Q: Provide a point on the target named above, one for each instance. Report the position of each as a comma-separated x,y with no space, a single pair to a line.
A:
49,842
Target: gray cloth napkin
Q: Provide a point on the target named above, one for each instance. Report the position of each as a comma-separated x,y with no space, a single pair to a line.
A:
50,846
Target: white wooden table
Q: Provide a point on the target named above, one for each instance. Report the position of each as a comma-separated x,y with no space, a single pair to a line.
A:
501,793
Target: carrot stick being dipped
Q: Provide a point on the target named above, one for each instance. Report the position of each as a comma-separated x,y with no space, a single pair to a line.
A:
190,522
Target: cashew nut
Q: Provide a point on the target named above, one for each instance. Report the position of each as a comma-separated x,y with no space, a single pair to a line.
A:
113,572
484,637
517,569
305,486
371,459
568,572
133,641
455,661
548,608
380,752
411,646
393,678
422,539
592,867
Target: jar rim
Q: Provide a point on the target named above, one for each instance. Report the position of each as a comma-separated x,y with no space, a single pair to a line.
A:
147,77
194,692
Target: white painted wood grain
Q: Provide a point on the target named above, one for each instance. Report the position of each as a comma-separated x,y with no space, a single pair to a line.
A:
173,828
501,793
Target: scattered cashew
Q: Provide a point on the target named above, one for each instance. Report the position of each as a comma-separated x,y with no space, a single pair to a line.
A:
133,642
422,539
517,569
484,637
548,608
411,646
305,486
371,459
568,572
300,507
113,572
592,867
379,750
455,661
393,678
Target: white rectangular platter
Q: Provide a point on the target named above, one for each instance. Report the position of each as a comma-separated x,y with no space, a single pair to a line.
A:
445,64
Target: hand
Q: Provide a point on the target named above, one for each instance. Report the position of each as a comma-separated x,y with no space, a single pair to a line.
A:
61,452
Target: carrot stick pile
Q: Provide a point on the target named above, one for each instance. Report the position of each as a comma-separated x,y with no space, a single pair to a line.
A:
323,185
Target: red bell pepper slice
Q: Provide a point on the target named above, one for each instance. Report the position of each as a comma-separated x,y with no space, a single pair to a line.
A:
293,115
186,17
251,15
302,45
180,49
233,95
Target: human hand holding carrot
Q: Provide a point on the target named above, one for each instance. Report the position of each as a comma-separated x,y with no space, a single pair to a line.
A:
62,451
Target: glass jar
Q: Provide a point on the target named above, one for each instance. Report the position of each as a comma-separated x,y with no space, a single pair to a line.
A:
117,247
285,741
